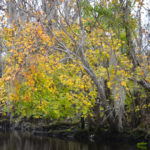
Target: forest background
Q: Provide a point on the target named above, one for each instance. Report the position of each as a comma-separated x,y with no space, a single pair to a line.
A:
72,59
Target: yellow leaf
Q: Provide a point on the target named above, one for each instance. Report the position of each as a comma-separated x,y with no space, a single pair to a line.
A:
4,114
123,83
108,84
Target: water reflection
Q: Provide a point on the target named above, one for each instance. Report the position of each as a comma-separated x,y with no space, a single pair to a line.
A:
18,141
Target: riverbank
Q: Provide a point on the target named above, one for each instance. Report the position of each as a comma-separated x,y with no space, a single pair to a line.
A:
72,131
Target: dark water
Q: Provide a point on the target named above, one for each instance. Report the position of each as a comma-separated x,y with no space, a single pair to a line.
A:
18,141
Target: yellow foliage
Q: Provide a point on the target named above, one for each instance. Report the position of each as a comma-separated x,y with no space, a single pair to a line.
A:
123,83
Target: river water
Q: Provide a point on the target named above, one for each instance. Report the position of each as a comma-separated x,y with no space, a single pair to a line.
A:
20,141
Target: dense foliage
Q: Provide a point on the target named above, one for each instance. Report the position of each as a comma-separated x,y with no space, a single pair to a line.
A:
86,59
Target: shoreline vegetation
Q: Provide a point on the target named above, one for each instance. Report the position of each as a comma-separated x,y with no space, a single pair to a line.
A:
69,130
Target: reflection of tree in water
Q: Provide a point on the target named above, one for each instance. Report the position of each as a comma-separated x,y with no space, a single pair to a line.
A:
18,141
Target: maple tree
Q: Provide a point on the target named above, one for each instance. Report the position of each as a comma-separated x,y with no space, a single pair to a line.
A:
79,61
